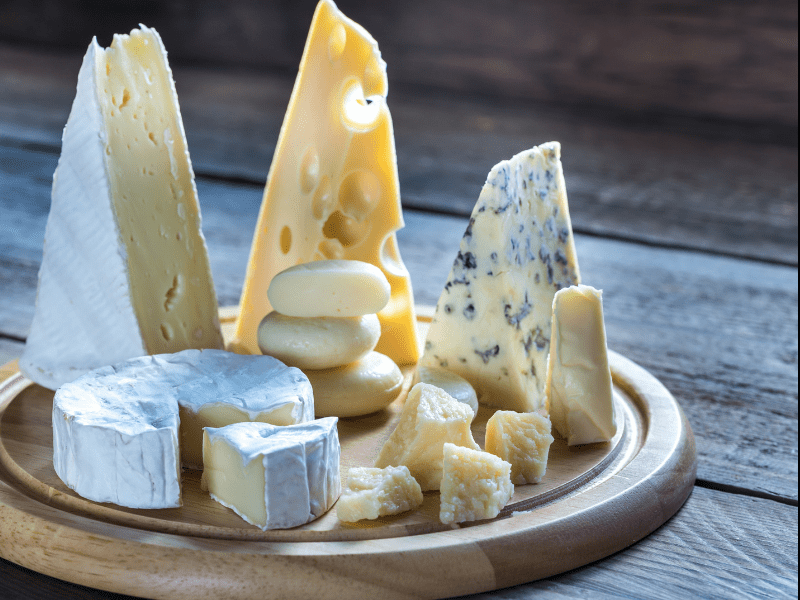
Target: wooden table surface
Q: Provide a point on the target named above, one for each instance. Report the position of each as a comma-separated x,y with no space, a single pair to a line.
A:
690,231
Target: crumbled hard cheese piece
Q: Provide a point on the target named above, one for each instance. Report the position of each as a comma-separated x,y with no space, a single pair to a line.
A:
522,439
370,493
429,419
475,485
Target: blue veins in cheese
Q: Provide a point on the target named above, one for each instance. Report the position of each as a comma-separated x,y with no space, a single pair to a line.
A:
492,321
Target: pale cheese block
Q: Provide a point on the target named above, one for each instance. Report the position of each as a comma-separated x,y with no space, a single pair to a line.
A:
430,418
273,477
579,386
492,320
523,440
329,288
455,385
370,493
360,388
476,485
120,432
125,270
318,342
332,190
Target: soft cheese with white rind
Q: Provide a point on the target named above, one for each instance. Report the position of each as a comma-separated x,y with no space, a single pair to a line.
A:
125,270
329,288
476,485
579,386
360,388
430,417
273,477
523,440
492,321
370,493
333,189
121,432
455,385
318,342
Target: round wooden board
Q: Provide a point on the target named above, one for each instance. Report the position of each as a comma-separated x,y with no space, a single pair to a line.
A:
593,501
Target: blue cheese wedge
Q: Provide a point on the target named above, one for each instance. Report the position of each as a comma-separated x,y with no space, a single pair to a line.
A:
119,432
125,270
273,477
493,318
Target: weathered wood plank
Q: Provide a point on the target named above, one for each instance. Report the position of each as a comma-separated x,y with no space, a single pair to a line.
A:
719,332
626,181
718,546
735,60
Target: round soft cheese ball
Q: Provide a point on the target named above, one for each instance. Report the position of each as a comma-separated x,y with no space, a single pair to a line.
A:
318,342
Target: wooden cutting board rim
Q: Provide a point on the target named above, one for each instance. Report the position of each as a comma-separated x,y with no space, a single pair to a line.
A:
583,526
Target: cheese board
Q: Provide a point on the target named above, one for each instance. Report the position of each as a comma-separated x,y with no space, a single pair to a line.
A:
594,500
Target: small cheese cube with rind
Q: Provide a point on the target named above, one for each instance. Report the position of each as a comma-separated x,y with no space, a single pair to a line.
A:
329,288
455,385
360,388
430,418
579,386
522,439
318,342
370,493
476,485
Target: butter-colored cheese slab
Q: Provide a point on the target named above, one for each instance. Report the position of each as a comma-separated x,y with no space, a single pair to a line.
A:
492,320
329,288
125,270
476,485
522,439
332,190
370,493
429,419
579,387
357,389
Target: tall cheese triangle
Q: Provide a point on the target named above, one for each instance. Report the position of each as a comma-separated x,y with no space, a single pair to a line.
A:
332,190
493,319
125,270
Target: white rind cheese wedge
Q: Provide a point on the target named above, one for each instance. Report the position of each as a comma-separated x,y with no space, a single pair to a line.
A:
333,190
579,386
370,493
273,477
119,432
125,270
492,321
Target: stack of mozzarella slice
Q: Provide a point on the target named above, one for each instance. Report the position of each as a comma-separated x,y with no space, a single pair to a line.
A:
325,323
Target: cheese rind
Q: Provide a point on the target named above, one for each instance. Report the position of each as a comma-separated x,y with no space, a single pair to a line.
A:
370,493
332,190
116,430
318,342
125,270
360,388
475,485
523,440
329,288
579,385
492,320
429,419
273,477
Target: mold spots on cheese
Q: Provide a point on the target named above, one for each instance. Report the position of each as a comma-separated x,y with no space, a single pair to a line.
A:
488,354
309,170
323,200
174,293
359,194
337,42
286,239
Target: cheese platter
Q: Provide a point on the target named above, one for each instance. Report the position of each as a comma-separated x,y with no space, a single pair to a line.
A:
594,500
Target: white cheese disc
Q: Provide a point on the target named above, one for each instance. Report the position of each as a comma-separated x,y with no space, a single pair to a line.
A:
116,430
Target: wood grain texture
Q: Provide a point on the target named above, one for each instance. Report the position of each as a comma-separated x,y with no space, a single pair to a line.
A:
654,183
725,59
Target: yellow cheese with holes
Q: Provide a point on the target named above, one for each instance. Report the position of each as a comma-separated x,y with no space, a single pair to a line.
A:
522,439
332,190
430,418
